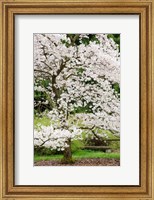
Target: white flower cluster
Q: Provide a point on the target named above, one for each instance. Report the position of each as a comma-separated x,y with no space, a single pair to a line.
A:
101,120
57,139
39,88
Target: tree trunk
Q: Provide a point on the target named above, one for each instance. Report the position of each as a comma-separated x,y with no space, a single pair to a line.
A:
67,159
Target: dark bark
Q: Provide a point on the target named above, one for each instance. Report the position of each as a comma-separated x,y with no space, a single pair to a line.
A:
67,154
54,89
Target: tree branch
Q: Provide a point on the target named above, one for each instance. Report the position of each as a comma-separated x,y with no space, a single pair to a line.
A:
41,71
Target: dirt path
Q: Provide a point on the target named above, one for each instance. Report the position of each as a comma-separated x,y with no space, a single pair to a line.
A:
82,162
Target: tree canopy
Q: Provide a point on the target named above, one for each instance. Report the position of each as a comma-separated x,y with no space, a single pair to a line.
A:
77,80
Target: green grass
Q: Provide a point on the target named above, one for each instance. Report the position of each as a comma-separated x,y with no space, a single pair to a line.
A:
94,154
80,154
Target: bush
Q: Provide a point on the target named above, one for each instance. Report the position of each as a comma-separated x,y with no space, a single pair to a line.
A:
96,142
41,151
76,145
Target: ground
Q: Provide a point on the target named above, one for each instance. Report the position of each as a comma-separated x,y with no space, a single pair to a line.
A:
82,162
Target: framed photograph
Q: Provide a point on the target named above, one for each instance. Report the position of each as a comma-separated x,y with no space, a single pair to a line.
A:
76,99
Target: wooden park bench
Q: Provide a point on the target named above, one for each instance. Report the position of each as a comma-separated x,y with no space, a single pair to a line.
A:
106,148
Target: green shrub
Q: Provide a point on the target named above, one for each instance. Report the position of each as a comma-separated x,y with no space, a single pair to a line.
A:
76,145
40,151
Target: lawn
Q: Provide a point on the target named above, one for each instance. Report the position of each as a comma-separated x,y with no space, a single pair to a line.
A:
79,155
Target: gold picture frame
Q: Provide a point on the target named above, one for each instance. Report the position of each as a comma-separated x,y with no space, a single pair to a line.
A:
10,8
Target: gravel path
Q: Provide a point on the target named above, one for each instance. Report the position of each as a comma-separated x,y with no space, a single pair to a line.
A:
82,162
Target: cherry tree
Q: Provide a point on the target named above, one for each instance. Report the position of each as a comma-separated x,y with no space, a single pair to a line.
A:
78,74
